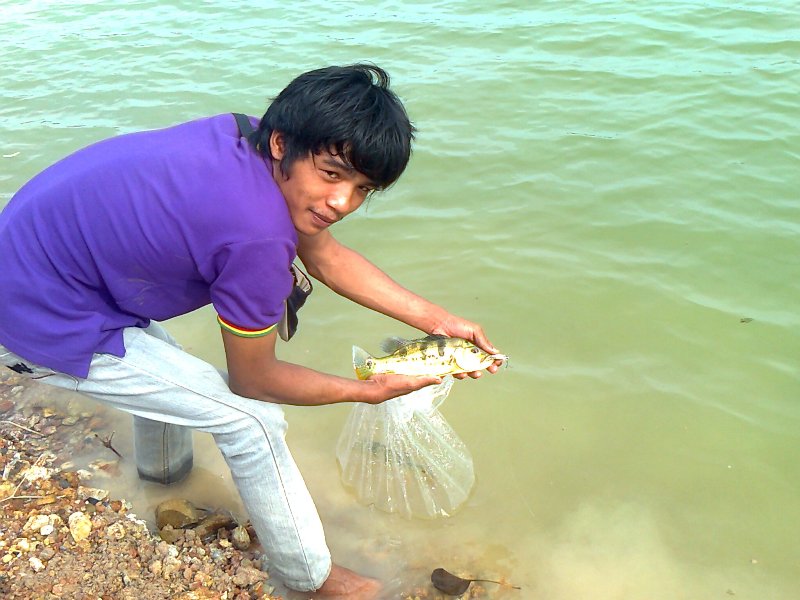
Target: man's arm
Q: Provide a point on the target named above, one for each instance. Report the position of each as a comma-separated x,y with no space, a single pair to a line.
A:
255,372
351,275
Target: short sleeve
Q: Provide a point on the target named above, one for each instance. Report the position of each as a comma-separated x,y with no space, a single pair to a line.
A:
250,282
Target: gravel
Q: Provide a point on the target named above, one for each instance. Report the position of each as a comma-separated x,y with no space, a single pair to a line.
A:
62,538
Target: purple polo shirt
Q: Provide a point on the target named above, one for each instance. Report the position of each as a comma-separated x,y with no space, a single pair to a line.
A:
142,226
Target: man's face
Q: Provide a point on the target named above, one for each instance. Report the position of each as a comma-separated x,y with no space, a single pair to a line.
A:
320,189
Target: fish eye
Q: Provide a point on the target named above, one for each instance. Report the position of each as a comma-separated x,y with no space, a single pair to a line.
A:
474,350
370,362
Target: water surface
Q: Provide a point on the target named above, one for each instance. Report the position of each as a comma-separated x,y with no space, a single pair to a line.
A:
610,188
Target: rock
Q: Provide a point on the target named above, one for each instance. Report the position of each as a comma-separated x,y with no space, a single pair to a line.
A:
115,531
213,523
47,553
44,501
155,567
198,594
171,566
36,473
36,564
240,538
35,523
176,512
246,576
170,534
89,493
22,544
80,526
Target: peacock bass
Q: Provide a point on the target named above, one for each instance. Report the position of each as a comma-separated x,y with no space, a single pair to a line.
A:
434,355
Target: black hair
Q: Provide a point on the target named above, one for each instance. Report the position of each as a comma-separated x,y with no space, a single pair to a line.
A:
347,110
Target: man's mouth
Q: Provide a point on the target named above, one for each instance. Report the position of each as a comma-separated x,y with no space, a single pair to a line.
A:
327,220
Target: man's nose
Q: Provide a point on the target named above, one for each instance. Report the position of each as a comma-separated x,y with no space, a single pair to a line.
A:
341,197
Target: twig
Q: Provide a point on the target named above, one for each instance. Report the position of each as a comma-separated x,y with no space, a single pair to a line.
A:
21,427
25,498
107,443
21,481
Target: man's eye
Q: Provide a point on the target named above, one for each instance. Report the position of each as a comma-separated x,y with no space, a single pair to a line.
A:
331,174
366,189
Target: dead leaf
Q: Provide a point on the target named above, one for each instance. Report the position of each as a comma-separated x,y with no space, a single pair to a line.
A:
446,582
453,585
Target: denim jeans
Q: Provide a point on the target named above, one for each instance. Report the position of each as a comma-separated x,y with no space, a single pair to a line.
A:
168,390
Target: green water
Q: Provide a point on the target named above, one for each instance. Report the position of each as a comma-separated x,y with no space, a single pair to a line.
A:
610,188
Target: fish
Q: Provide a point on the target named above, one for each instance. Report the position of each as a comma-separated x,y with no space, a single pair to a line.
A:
434,355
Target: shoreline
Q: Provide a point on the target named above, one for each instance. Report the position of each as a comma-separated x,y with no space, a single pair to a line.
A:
63,538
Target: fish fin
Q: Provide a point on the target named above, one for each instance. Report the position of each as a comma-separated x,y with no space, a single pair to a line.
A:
392,344
433,337
361,363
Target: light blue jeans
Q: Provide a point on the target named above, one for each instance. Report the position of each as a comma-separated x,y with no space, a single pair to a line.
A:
160,384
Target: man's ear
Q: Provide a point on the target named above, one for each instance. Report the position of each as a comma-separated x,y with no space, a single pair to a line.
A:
276,147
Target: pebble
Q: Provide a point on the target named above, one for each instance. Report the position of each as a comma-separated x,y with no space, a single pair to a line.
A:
171,566
36,564
89,493
240,538
246,576
80,526
155,567
47,553
36,522
115,531
36,472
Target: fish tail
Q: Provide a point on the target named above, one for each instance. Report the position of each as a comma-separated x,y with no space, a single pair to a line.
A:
363,363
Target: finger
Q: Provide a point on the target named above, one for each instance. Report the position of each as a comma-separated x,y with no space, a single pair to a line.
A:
483,342
421,382
460,376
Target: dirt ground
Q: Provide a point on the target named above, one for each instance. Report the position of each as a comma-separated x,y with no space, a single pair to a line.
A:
62,538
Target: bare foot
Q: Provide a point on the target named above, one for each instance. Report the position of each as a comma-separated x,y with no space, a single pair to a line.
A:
344,584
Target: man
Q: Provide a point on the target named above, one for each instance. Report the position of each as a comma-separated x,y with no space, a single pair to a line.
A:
147,226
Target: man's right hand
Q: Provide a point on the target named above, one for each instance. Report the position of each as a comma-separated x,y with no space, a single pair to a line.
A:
386,386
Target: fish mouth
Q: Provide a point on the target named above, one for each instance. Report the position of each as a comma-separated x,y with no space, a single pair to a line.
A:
503,357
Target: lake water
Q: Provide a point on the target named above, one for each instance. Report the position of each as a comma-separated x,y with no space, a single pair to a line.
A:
610,188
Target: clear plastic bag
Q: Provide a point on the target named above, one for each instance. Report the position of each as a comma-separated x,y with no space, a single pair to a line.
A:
402,456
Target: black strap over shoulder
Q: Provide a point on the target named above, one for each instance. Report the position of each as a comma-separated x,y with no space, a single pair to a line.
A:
302,285
246,128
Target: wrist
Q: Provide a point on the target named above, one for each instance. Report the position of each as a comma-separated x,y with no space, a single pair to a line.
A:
435,320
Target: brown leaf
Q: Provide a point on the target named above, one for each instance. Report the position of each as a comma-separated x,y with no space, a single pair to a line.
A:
450,584
446,582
